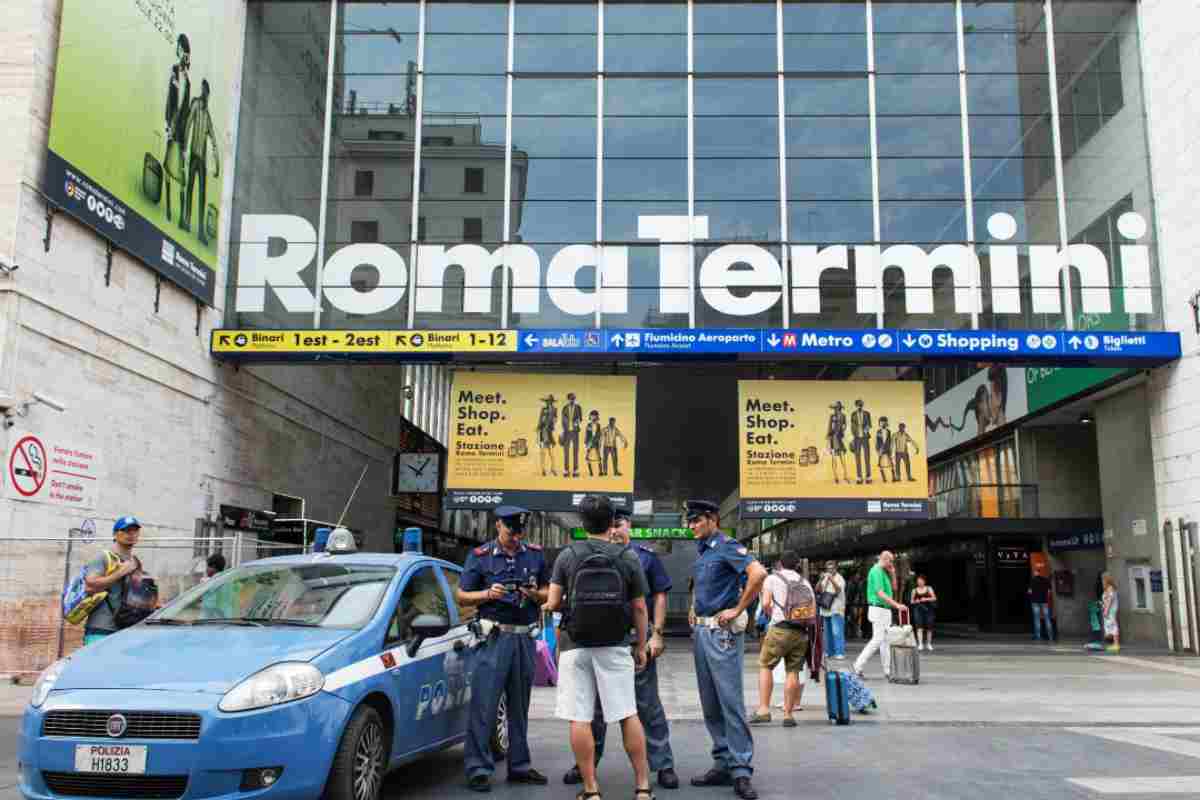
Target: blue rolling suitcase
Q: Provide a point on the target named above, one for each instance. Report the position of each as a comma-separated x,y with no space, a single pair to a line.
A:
837,697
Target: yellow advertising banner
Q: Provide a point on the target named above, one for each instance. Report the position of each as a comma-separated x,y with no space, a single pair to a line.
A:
366,342
540,441
832,449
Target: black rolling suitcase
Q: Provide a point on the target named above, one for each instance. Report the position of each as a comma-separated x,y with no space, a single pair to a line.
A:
152,179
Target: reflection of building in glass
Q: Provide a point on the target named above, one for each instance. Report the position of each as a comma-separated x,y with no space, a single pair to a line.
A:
461,189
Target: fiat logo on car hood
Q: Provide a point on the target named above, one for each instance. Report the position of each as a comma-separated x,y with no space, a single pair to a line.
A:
116,726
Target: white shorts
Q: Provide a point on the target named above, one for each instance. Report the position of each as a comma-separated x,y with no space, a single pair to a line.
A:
584,671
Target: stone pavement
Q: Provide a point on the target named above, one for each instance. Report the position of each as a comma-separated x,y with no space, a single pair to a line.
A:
990,721
978,683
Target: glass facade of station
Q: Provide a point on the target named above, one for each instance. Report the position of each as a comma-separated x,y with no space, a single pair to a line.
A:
429,143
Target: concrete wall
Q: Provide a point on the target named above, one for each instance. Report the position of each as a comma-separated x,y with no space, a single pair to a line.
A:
1172,108
1061,460
178,433
1127,488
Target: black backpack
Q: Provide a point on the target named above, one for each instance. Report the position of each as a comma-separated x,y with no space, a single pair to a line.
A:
598,611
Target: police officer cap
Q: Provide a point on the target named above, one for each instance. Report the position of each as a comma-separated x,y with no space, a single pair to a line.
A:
514,517
698,508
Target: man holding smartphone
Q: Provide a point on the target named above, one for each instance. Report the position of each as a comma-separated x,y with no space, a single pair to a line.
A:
507,579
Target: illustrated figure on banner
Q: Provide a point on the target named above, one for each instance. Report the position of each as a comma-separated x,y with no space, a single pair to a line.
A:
836,437
545,434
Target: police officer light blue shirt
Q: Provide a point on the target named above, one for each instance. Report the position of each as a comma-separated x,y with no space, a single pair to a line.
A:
724,573
719,574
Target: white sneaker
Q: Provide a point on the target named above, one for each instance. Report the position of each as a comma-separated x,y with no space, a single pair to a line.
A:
929,647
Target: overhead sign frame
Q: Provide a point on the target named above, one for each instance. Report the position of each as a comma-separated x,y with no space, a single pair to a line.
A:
876,345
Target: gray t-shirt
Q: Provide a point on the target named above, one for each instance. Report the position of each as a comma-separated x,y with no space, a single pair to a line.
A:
101,618
564,569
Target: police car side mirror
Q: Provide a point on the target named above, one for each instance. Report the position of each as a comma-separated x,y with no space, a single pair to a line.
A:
426,626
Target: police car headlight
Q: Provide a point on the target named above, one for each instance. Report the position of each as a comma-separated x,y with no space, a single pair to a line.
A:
281,683
45,682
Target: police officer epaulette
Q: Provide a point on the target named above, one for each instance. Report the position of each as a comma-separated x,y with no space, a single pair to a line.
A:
481,550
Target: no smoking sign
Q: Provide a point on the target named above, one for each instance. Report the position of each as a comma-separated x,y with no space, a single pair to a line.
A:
27,466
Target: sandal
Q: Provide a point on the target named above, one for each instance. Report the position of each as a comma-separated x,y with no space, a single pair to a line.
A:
583,795
639,792
760,719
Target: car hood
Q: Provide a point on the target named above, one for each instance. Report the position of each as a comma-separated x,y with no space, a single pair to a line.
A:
212,658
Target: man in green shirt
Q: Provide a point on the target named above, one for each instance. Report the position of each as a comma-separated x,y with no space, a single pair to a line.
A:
879,612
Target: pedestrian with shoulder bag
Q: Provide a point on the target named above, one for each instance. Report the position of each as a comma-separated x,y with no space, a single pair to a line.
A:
831,601
102,576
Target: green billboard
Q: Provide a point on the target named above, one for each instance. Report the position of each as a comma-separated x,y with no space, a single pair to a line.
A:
1048,385
139,127
652,533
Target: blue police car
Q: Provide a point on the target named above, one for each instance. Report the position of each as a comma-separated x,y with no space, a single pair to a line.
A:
294,677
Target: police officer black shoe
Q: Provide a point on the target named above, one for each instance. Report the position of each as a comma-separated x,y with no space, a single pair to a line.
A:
667,778
714,777
528,776
479,783
572,777
743,789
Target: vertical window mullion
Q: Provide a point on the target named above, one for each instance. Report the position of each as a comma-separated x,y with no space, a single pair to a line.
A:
414,228
1059,183
323,211
508,103
968,179
874,155
783,168
691,161
600,162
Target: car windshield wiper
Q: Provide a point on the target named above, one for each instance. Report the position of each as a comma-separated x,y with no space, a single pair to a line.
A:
247,621
271,621
167,621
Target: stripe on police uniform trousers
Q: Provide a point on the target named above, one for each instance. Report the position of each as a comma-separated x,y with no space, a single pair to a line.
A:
378,664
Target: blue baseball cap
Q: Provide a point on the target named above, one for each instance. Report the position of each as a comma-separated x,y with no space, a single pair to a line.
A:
125,523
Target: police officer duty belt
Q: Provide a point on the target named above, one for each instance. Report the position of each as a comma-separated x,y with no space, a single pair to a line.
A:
487,626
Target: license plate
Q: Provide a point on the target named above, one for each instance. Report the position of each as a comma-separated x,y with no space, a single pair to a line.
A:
111,759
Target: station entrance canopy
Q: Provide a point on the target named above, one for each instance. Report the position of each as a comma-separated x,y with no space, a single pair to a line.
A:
877,345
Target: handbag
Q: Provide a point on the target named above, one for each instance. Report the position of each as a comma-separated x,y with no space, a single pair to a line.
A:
825,600
138,602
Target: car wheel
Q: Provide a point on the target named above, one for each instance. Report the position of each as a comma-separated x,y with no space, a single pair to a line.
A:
500,733
360,763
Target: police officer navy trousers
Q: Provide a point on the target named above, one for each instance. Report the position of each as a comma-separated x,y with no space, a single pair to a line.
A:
504,666
719,655
653,717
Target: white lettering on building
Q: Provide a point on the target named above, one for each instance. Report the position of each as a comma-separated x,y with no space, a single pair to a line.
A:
734,279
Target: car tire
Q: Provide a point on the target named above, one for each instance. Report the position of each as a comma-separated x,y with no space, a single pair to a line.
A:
360,764
499,741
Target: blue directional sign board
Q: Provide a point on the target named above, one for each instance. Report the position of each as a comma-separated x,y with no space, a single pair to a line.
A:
889,345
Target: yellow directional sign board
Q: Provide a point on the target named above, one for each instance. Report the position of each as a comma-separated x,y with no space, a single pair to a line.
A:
301,342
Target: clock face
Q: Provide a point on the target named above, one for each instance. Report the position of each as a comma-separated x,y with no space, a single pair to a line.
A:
417,472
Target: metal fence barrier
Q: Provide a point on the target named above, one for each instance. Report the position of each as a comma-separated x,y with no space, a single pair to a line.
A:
35,572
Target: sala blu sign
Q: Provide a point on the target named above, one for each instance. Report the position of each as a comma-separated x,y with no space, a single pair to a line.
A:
735,279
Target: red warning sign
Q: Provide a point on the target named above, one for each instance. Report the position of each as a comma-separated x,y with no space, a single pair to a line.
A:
27,466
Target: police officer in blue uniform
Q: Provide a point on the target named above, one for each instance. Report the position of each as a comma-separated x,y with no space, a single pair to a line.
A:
649,704
726,581
508,580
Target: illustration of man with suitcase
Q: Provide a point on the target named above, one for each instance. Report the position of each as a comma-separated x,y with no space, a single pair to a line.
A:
179,99
200,131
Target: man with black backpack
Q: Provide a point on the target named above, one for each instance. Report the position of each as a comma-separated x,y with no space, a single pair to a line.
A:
649,703
605,591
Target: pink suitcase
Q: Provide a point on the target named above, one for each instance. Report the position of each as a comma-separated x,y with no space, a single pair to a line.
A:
545,671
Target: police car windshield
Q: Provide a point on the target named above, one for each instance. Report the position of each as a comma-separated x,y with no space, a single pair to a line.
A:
328,594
